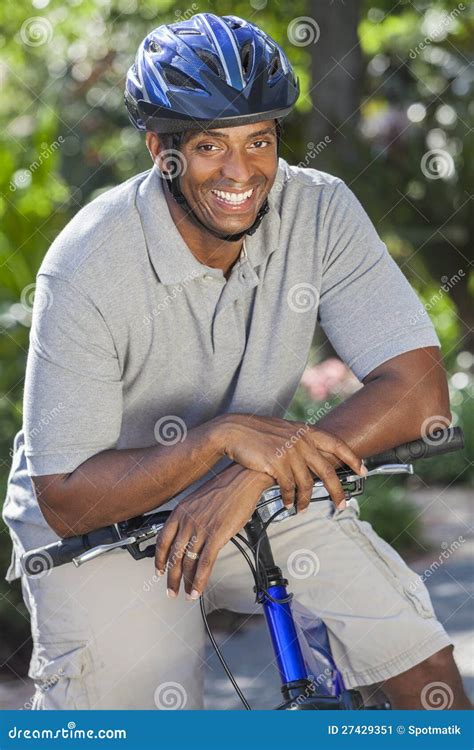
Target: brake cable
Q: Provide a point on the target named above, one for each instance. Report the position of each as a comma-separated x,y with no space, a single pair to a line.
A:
260,581
220,656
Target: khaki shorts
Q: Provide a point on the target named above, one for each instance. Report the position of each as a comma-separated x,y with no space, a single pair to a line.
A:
107,637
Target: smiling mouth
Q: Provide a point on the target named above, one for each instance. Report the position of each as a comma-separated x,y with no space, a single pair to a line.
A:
234,201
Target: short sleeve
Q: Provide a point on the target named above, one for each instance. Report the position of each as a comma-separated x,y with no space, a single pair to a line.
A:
72,406
367,308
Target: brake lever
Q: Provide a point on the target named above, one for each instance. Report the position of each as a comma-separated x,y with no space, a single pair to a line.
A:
130,543
353,484
383,469
91,554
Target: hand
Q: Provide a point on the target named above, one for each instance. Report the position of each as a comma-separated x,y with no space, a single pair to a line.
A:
290,452
203,523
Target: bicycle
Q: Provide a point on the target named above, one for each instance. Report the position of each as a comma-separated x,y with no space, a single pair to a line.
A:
300,689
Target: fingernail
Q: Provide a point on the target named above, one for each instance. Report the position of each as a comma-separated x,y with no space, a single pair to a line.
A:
159,572
170,594
342,505
363,470
195,594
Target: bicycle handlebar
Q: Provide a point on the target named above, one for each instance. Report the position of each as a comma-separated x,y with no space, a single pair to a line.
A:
135,531
37,561
443,441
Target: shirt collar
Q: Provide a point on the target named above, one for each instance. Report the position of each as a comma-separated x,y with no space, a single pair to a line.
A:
172,260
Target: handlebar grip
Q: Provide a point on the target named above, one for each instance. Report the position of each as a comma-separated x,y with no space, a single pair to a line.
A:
442,441
37,562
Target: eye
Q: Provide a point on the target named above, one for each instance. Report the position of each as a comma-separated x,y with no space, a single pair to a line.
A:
206,147
266,143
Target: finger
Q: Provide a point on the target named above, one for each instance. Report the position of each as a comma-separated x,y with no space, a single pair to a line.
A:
190,567
206,561
303,480
286,482
175,564
328,476
164,541
337,447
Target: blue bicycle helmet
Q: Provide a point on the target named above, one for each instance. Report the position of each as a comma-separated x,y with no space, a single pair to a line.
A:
208,72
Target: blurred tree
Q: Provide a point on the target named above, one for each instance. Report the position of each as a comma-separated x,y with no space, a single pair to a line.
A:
336,70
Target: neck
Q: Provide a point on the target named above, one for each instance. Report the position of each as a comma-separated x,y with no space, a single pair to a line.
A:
206,248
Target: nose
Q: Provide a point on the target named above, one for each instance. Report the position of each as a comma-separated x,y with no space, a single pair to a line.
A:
237,167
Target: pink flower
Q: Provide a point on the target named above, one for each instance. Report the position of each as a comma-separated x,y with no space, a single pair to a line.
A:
331,377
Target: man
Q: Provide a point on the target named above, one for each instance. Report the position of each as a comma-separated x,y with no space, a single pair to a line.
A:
163,355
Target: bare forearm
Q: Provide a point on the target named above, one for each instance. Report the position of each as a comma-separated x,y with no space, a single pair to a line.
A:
118,484
392,406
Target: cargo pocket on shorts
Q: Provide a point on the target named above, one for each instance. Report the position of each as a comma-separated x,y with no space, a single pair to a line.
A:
404,580
64,676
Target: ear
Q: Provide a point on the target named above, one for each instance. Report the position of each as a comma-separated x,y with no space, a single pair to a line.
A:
154,146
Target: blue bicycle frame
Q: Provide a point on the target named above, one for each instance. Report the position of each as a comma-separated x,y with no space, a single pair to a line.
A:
299,688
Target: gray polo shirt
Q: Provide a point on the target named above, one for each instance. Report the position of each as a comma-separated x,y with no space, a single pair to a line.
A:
134,341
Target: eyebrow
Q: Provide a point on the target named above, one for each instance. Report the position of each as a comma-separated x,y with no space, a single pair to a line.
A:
222,134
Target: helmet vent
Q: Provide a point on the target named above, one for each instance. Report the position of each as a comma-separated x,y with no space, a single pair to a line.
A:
233,23
211,61
185,31
178,78
274,65
246,56
155,47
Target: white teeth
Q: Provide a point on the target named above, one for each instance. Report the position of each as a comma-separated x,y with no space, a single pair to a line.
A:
234,198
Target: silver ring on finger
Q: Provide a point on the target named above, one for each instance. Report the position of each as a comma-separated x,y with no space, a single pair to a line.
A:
192,555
